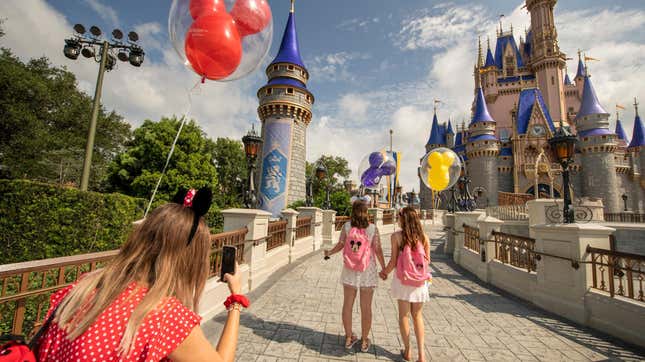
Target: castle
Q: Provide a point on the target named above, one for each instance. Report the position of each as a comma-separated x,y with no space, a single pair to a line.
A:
522,93
285,112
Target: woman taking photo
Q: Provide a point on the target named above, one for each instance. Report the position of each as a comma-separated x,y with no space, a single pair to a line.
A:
143,305
361,245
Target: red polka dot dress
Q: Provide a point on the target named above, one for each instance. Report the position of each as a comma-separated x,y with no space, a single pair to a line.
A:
161,331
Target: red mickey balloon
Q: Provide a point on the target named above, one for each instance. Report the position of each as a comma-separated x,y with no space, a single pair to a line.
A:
213,46
205,7
251,16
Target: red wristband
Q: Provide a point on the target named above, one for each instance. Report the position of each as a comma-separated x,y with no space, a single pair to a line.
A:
237,298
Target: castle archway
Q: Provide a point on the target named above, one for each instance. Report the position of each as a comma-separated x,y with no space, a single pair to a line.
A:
544,191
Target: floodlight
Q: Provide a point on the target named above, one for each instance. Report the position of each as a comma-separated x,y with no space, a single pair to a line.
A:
79,28
133,36
95,31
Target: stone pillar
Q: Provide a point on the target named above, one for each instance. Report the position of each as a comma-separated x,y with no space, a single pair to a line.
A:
537,212
257,222
291,216
449,227
316,215
461,218
488,224
378,216
561,288
328,227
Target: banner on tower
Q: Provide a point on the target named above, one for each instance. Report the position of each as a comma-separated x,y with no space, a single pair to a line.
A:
275,166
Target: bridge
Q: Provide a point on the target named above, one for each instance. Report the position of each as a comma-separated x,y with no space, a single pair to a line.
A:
296,295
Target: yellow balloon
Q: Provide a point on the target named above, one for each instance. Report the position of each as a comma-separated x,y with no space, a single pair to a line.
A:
448,159
438,181
435,159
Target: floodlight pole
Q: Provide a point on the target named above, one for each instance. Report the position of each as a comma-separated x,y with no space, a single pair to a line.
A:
87,163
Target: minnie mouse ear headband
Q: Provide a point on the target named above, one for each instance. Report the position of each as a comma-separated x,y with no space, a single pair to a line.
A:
197,200
365,199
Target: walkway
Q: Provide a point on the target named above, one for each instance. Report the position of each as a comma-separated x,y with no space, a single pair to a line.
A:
297,318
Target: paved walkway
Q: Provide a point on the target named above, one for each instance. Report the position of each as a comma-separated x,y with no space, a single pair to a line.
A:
297,318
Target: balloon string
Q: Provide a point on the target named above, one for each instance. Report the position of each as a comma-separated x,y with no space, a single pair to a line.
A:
184,119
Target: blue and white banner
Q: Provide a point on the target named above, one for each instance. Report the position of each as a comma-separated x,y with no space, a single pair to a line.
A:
275,166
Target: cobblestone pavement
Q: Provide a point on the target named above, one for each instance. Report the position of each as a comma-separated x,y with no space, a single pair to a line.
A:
297,318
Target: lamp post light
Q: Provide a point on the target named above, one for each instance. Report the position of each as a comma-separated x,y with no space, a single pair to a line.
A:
252,143
411,197
349,185
398,191
624,197
319,172
563,146
89,46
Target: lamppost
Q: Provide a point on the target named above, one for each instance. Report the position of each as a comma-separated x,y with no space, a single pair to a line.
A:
563,146
411,197
320,172
398,191
252,143
624,197
86,45
349,185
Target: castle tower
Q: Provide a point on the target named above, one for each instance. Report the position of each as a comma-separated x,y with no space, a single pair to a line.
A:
637,146
546,59
285,111
437,138
482,149
597,145
450,136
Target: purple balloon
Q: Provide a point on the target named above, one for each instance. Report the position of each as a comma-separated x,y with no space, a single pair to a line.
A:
371,177
389,168
376,159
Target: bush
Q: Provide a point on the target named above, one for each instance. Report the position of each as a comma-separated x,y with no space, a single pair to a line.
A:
39,221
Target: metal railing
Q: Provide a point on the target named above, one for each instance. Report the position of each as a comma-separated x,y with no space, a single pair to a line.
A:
27,286
515,250
277,234
471,238
617,273
626,217
234,238
303,227
340,221
388,217
508,212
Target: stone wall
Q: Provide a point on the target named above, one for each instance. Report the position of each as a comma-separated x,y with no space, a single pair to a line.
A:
483,172
599,179
297,170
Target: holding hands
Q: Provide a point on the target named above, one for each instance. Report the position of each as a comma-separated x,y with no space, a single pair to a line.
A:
383,274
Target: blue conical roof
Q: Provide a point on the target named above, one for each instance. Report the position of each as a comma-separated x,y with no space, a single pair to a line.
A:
481,110
436,136
590,104
581,68
567,80
449,130
620,132
490,60
289,51
638,136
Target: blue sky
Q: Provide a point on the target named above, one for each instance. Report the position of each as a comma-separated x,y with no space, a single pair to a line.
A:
374,64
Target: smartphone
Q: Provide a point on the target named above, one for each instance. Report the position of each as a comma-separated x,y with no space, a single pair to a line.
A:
228,261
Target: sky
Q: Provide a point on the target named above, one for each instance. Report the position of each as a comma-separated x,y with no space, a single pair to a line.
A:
374,65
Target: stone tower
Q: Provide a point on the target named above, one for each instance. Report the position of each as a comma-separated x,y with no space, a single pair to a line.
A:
597,145
482,149
637,148
546,59
437,138
285,111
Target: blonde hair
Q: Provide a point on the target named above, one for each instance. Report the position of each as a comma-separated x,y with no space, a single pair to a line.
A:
155,256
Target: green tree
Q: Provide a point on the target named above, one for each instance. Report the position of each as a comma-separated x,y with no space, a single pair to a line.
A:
337,171
230,163
44,120
135,171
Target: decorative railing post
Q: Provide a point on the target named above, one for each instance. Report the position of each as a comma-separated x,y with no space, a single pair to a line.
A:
487,225
256,222
449,225
291,216
316,215
377,216
328,228
461,218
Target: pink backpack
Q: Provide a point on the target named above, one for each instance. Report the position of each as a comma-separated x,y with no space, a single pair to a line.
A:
412,266
357,249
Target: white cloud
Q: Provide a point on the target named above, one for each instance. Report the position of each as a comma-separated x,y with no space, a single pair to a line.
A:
106,12
355,24
334,67
354,106
158,88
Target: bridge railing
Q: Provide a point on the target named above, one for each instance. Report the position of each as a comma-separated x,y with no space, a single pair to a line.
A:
626,217
388,217
471,238
27,286
509,212
340,221
618,273
277,234
515,250
303,227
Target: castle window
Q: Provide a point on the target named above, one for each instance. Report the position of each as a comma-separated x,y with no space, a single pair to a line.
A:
308,98
552,80
290,67
289,90
269,91
275,67
570,109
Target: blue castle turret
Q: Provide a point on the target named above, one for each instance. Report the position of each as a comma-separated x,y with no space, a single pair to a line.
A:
285,111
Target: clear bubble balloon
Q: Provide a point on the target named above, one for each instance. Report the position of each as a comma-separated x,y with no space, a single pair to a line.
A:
221,40
440,169
375,167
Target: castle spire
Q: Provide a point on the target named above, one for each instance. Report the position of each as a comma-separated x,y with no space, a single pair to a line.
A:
481,110
480,58
293,7
567,80
620,131
590,104
490,60
436,138
289,49
638,135
581,66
